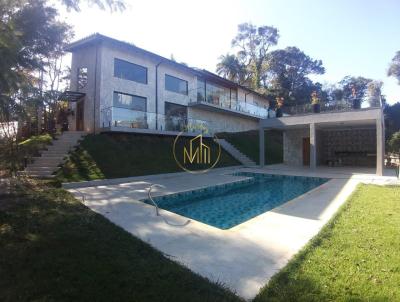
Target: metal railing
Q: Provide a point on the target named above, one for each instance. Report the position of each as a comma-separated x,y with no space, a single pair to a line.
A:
151,198
157,208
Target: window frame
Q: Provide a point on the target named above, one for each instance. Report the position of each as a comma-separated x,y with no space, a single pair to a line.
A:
134,64
79,77
131,95
171,76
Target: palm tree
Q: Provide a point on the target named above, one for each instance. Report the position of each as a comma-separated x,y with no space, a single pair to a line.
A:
230,68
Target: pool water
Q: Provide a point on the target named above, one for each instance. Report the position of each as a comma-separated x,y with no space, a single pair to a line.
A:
225,206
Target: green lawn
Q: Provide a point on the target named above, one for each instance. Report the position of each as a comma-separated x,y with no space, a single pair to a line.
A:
52,248
356,257
123,155
248,143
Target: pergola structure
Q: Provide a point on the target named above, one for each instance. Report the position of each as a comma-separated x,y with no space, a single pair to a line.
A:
71,96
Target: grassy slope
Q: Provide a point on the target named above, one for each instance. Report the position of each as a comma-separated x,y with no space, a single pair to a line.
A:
52,248
248,143
32,145
356,257
122,155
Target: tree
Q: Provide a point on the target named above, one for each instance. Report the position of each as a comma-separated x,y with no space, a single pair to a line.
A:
394,68
288,71
394,142
392,119
112,5
31,43
355,87
230,68
252,44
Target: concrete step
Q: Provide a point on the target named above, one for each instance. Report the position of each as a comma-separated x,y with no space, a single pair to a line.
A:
41,176
44,162
60,155
43,168
63,149
239,156
44,165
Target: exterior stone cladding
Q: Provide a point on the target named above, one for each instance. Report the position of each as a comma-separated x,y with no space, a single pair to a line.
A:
353,147
293,146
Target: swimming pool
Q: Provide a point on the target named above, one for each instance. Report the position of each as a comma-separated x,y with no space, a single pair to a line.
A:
227,205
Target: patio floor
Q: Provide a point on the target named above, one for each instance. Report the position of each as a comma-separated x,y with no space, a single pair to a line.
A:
244,257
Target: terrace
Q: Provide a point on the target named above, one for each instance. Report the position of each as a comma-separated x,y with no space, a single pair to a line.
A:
332,134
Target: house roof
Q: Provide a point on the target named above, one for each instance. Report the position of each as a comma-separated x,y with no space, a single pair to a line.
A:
98,38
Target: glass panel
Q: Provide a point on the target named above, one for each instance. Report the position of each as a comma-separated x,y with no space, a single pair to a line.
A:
128,101
200,90
234,101
130,71
129,118
175,117
218,95
176,85
82,77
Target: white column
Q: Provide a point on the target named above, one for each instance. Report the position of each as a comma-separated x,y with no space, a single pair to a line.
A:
261,135
313,147
380,147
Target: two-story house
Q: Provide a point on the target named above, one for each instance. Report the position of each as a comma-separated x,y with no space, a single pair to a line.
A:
116,86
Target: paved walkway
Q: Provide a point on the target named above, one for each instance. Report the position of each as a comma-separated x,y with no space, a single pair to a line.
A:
244,257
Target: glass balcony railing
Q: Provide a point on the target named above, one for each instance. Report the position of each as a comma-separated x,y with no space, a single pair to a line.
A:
336,106
121,117
227,101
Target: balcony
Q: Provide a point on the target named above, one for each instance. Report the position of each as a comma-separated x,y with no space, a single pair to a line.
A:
226,102
126,120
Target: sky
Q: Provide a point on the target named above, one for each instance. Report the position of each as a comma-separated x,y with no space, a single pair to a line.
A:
351,37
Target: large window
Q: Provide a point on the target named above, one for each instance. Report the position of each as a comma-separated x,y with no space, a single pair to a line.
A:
128,101
130,71
129,111
175,117
176,85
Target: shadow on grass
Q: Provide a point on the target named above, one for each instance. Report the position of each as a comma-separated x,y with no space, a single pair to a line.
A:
54,248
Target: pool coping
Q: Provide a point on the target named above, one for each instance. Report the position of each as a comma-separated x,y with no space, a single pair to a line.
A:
245,256
233,182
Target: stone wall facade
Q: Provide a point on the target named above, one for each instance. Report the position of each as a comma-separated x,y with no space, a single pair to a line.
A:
99,60
222,122
347,147
352,147
293,146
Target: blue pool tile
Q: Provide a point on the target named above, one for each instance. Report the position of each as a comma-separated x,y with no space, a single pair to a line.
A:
227,205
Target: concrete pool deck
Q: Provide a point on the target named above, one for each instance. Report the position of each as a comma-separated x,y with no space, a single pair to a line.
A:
244,257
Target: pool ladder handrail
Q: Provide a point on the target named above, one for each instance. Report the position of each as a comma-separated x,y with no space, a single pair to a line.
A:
151,198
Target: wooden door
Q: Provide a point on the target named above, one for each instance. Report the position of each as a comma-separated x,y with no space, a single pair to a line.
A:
79,116
306,151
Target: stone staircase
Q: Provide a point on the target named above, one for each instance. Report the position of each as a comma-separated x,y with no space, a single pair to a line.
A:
239,156
45,165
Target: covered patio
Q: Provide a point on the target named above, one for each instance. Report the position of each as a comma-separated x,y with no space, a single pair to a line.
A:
331,139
